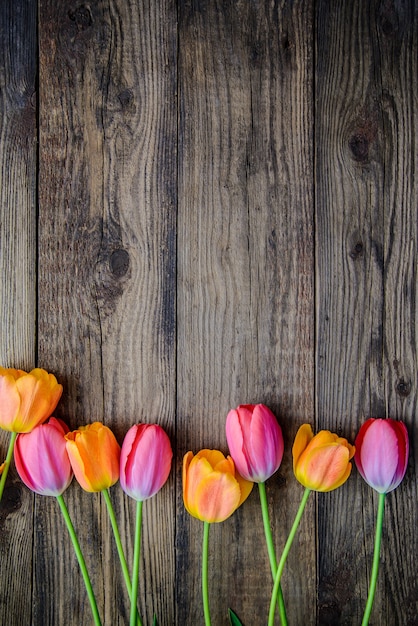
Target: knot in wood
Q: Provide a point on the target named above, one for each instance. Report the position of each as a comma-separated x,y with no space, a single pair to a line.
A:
119,262
359,146
82,17
356,251
403,387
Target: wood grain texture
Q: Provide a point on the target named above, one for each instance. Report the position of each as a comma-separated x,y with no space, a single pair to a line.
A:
245,278
222,208
17,276
107,286
366,199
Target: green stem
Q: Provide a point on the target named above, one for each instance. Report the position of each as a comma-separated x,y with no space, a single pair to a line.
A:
7,463
119,546
270,549
205,554
285,553
376,559
81,561
135,569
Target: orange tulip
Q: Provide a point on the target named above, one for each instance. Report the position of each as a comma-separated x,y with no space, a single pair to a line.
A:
94,455
26,399
212,488
321,462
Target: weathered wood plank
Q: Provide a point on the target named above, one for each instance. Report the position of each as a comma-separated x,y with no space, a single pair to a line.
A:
107,281
366,198
18,277
245,267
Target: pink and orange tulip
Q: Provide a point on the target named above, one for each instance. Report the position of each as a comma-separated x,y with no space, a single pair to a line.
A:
26,398
382,447
321,462
255,441
212,488
94,454
41,458
145,461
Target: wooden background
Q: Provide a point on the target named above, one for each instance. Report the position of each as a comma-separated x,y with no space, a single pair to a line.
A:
205,203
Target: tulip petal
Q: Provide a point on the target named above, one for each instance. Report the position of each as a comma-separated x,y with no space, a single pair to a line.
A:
245,486
149,462
379,454
10,401
216,497
41,458
324,468
94,454
198,469
302,439
266,443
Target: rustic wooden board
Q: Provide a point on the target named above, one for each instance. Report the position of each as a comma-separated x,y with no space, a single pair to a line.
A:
245,290
366,216
17,276
227,213
108,136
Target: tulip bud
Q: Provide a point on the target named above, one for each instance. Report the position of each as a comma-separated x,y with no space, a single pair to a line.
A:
145,461
26,399
212,488
321,462
41,458
255,441
94,454
381,457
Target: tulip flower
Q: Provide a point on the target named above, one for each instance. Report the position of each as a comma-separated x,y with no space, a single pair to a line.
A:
382,448
43,465
94,454
26,400
41,458
145,464
212,491
145,461
382,453
255,441
320,463
256,445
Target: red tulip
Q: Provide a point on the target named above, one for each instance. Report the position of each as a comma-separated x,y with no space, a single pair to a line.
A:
145,461
382,453
255,441
41,458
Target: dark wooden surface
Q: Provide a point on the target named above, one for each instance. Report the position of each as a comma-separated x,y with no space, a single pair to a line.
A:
206,203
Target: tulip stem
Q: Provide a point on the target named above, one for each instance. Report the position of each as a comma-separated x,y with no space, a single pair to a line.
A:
205,555
7,463
285,553
135,568
376,559
270,549
119,546
80,559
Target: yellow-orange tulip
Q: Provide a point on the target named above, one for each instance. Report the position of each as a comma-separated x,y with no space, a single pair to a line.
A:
94,455
26,398
212,488
321,462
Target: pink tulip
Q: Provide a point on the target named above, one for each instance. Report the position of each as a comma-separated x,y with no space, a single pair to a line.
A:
41,458
145,461
255,441
382,453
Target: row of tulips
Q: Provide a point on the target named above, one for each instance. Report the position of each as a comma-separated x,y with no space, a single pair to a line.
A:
47,455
